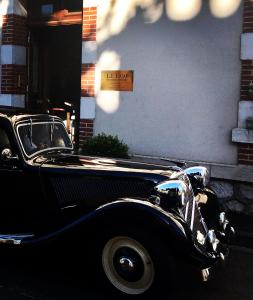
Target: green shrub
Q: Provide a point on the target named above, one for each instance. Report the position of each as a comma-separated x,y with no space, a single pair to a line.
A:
105,145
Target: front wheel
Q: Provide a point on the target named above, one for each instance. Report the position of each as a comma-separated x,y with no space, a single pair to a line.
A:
127,265
135,264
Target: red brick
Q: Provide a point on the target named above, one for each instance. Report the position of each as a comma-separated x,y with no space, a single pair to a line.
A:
89,24
14,30
86,130
243,157
247,62
245,151
247,16
88,80
86,9
86,121
247,77
10,83
246,162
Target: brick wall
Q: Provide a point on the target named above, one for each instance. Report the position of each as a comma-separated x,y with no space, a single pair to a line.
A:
13,79
13,54
88,80
245,151
89,24
14,30
89,32
85,130
246,78
248,16
245,154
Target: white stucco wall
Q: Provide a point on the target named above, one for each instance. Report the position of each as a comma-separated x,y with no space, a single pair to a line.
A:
186,86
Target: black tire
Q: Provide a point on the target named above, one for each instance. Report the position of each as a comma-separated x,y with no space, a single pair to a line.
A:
134,262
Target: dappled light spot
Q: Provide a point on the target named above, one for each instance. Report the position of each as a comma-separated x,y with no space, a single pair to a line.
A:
109,60
183,10
153,12
122,15
113,16
108,101
224,8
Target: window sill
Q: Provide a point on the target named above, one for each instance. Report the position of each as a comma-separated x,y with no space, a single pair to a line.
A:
242,135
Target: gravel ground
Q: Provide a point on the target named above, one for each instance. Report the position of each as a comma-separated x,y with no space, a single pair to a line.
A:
26,281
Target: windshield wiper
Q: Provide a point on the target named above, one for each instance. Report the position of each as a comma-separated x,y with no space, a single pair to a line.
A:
50,151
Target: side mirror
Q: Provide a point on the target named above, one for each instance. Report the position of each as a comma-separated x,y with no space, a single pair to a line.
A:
6,155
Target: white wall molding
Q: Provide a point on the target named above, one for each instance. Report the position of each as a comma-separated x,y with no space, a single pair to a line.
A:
90,3
218,171
247,46
242,135
87,108
89,52
12,100
245,111
12,7
5,100
13,55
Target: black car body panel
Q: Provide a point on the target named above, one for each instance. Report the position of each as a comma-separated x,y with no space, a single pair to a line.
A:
55,194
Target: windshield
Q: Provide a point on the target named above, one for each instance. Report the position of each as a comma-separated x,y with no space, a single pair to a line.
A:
41,136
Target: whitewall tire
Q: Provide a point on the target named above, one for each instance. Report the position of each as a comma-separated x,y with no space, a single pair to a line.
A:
128,266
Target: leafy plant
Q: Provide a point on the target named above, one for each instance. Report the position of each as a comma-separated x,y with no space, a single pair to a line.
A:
105,145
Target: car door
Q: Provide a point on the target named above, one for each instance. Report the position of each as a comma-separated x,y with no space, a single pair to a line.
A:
20,188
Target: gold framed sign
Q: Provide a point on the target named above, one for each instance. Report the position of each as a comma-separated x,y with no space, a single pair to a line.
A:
120,80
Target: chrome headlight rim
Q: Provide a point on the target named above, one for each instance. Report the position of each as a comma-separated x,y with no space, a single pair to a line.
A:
201,174
173,189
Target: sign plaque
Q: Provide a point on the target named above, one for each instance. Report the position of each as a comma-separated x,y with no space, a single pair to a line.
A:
121,80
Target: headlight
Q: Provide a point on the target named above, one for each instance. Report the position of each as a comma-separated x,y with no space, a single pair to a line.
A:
201,174
171,193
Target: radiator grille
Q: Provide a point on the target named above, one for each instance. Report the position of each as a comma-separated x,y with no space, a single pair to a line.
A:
192,215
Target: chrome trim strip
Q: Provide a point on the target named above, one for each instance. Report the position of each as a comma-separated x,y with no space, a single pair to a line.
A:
193,212
202,220
14,239
186,211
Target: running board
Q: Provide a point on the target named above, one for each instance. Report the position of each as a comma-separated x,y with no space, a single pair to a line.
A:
14,239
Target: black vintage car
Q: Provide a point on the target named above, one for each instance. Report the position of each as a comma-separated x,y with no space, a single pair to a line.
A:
145,224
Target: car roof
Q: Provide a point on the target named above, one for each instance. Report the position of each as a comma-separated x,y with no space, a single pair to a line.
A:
21,115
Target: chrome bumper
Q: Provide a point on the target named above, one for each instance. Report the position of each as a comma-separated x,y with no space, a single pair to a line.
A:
209,272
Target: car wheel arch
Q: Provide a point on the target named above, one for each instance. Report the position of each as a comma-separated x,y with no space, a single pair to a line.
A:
142,215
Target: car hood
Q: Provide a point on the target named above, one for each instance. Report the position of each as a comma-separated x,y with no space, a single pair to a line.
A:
94,181
77,163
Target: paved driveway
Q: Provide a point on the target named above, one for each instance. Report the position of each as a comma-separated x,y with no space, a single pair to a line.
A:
23,282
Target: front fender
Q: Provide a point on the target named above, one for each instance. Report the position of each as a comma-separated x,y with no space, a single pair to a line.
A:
119,212
143,213
151,218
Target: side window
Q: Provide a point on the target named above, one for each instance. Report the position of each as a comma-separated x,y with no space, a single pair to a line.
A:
4,143
4,140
